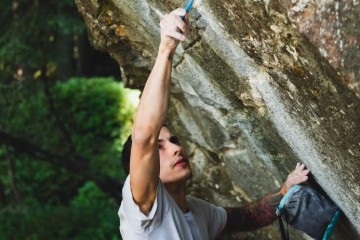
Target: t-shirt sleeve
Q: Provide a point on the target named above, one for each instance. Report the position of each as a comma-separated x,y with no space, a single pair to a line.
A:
212,216
131,215
217,221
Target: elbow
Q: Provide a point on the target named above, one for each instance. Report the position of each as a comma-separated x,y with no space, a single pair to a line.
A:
144,136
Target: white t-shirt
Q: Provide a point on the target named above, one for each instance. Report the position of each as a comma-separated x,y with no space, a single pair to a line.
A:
166,220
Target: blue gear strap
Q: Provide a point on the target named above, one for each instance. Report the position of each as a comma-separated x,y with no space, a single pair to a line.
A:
331,225
280,208
284,209
279,211
189,5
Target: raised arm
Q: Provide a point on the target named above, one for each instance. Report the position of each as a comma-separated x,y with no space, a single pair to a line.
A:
151,113
262,212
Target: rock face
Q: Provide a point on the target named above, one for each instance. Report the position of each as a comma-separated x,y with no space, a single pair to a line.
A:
251,96
333,27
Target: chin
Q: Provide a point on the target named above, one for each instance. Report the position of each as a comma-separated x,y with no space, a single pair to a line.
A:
188,176
182,178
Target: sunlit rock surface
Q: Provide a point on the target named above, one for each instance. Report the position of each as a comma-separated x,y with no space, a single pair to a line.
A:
251,95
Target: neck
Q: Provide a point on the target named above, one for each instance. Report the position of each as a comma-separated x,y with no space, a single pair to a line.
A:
178,193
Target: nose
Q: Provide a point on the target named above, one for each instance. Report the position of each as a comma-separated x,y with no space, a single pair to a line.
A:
177,149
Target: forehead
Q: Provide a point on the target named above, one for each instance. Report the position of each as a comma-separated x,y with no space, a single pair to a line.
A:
165,133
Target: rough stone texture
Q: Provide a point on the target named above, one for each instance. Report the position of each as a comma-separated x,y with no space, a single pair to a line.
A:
333,27
251,96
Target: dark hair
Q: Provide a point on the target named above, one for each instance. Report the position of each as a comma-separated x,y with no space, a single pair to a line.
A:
125,156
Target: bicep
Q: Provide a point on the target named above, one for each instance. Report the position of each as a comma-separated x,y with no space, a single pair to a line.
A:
144,173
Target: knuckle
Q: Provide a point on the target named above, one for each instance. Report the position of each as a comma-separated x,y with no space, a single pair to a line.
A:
183,26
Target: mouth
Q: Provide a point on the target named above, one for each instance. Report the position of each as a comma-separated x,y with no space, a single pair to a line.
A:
181,162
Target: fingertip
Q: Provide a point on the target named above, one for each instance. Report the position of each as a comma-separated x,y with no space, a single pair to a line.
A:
180,11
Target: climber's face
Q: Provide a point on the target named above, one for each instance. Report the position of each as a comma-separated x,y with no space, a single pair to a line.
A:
174,164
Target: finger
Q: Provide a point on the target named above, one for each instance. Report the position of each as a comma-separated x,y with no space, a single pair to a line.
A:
301,179
173,22
297,167
300,174
186,19
164,20
300,167
301,171
169,28
305,172
176,35
178,12
182,26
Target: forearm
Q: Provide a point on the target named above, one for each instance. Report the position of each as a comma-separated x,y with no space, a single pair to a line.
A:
152,109
253,215
150,115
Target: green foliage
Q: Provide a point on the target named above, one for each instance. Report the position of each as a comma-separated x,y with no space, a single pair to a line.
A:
28,26
39,44
91,216
97,116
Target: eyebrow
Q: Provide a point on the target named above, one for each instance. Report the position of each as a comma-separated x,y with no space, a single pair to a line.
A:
170,138
174,138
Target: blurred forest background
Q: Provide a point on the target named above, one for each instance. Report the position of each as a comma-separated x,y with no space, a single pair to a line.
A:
63,117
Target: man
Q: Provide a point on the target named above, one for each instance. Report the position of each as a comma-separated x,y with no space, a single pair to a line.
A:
155,205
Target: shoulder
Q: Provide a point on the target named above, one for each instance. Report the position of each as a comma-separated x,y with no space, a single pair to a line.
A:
196,204
200,202
212,216
161,193
162,203
131,216
197,201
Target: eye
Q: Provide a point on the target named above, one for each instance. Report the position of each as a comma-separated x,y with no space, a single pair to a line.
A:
174,140
161,147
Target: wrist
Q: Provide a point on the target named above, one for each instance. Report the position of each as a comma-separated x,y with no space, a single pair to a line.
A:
166,51
283,189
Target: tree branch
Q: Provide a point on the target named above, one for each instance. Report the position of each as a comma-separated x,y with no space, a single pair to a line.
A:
11,172
3,200
77,166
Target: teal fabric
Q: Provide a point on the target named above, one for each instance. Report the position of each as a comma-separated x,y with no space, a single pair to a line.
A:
331,225
280,208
